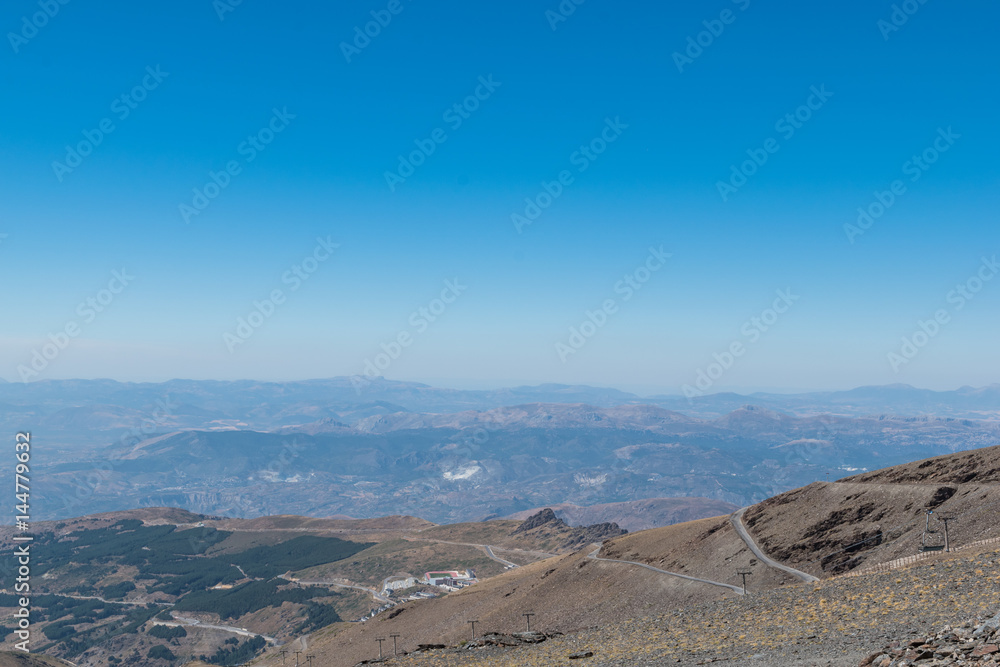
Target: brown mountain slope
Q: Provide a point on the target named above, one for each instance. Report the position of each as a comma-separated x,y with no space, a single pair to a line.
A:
19,659
566,593
637,514
386,524
707,549
822,528
834,623
876,517
148,515
981,466
542,531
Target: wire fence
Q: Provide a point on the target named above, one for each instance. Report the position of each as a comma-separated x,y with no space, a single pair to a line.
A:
891,565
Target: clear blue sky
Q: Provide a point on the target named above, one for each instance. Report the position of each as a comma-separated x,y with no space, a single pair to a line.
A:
656,184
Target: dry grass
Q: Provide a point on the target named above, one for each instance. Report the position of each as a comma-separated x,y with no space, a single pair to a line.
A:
400,557
840,618
567,593
708,549
19,659
809,528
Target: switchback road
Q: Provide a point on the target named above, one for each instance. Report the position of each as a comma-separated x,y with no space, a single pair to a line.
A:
180,621
736,589
489,552
371,591
737,520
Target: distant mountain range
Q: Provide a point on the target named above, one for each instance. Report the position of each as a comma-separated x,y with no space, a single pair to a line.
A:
320,448
637,514
88,409
301,581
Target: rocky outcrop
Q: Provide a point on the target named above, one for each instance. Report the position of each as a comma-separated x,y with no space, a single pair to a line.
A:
967,644
596,533
545,516
488,641
571,538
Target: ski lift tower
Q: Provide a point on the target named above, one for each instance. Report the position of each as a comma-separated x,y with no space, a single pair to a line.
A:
929,542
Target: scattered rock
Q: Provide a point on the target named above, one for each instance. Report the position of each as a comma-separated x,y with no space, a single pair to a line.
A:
951,646
581,654
985,649
989,627
516,639
430,647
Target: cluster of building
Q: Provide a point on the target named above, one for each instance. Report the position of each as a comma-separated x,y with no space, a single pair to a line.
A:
451,580
400,584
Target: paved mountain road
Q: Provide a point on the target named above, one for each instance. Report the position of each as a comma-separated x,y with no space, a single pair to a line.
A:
371,591
130,603
736,589
737,520
486,548
505,563
180,621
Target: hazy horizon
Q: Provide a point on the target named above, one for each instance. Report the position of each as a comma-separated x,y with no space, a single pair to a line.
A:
634,270
492,385
621,196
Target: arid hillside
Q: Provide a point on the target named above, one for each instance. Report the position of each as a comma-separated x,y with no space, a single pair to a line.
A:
797,542
321,586
19,659
865,520
838,622
564,593
636,515
144,582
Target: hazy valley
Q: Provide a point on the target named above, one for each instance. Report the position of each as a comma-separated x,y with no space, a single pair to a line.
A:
836,570
323,449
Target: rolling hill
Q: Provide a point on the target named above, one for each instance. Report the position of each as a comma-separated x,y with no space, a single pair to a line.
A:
814,529
636,514
471,465
124,583
18,659
146,581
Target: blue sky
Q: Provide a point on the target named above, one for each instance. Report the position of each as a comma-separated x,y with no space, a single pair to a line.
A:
892,93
